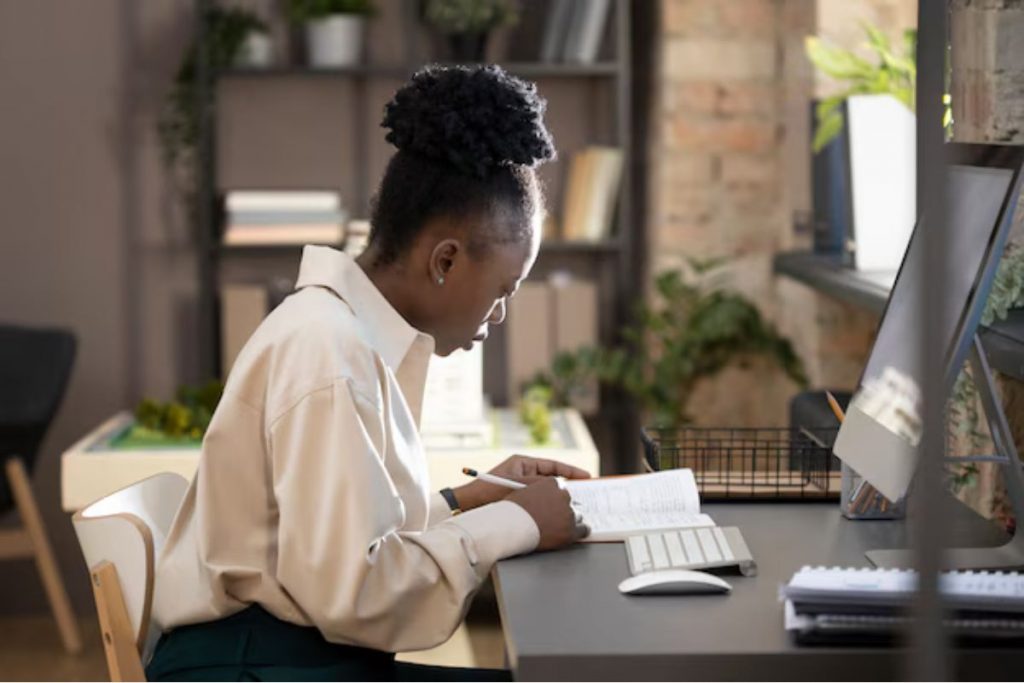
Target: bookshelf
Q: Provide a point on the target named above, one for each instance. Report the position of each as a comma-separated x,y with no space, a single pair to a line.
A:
290,126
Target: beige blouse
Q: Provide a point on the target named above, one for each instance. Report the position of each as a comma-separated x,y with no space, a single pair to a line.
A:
312,498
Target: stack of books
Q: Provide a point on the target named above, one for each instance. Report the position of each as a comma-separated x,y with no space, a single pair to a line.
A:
573,30
283,217
872,606
591,194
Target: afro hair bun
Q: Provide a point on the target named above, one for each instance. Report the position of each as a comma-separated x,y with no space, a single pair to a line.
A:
476,118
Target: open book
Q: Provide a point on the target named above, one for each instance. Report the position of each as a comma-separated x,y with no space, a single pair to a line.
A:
618,507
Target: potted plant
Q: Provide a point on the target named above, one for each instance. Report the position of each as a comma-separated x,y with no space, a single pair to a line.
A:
895,75
334,29
696,329
871,171
228,31
467,24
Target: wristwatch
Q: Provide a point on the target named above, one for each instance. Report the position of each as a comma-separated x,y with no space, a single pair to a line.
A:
449,497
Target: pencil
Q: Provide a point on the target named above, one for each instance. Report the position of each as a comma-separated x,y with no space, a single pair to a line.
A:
814,439
500,481
834,405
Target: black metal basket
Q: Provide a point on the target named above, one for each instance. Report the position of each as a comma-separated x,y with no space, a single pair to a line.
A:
749,463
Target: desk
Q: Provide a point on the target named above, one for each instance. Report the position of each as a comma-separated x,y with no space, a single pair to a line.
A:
90,469
564,618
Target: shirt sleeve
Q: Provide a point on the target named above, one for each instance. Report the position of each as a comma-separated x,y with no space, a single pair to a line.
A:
343,555
439,509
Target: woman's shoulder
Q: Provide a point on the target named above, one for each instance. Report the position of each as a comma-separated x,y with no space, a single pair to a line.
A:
309,341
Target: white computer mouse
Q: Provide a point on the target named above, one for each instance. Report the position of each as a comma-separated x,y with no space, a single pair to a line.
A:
673,582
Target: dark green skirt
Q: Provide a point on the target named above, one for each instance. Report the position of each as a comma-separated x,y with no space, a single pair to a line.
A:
254,645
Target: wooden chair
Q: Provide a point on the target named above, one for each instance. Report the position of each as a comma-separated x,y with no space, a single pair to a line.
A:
121,536
35,366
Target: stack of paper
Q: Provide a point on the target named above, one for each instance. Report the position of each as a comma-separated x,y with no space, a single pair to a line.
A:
283,217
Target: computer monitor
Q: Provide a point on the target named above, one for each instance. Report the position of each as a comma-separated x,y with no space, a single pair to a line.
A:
981,210
984,182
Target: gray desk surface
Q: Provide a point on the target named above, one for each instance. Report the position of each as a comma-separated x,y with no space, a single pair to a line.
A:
564,618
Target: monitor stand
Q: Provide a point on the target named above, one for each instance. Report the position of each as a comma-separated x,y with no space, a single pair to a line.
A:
1011,554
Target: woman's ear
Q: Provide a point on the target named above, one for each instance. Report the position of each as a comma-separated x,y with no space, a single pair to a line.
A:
442,259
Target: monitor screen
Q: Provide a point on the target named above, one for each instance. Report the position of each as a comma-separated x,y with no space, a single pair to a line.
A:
976,198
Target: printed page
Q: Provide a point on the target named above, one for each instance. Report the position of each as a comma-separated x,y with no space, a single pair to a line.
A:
616,507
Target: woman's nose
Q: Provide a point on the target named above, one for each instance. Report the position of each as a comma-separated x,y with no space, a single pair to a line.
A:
497,315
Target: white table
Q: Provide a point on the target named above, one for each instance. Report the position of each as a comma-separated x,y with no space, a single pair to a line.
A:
91,469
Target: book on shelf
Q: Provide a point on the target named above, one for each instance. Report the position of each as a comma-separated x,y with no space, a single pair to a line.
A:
282,200
616,508
592,191
556,28
267,235
284,217
586,28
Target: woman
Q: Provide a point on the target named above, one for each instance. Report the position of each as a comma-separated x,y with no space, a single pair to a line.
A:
308,545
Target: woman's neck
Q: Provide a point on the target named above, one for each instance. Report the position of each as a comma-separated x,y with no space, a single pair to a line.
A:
392,282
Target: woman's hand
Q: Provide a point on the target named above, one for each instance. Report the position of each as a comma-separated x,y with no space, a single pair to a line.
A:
551,508
519,468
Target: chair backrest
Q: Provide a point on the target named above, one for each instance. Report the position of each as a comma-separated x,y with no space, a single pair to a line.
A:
127,529
35,365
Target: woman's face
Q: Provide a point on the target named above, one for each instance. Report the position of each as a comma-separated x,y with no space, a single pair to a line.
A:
476,289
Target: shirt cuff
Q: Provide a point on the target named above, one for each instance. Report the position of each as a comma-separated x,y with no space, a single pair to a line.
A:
439,510
497,531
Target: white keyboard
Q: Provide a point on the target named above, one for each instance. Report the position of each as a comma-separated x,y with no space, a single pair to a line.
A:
701,548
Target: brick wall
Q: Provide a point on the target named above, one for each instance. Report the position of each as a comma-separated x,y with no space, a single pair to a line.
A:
731,165
988,70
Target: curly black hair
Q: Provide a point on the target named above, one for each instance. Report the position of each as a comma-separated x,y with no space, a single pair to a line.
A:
469,139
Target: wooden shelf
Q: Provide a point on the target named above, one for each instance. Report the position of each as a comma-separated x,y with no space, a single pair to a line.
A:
401,71
869,290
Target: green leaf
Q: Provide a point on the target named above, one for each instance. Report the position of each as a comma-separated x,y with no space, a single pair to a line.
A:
827,130
834,61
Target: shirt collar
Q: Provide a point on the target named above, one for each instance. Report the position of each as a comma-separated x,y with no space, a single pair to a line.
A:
386,330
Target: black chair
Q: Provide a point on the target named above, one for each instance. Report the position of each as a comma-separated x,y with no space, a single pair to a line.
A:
34,370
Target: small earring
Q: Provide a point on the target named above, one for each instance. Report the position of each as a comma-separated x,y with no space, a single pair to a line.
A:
440,280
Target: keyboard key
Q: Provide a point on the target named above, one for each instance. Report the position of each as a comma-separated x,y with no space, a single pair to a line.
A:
723,544
707,542
675,549
638,551
693,551
658,554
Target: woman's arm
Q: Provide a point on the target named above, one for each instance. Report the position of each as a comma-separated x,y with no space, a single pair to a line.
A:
341,553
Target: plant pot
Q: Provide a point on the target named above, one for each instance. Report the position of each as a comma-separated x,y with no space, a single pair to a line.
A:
336,40
256,51
468,47
882,157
